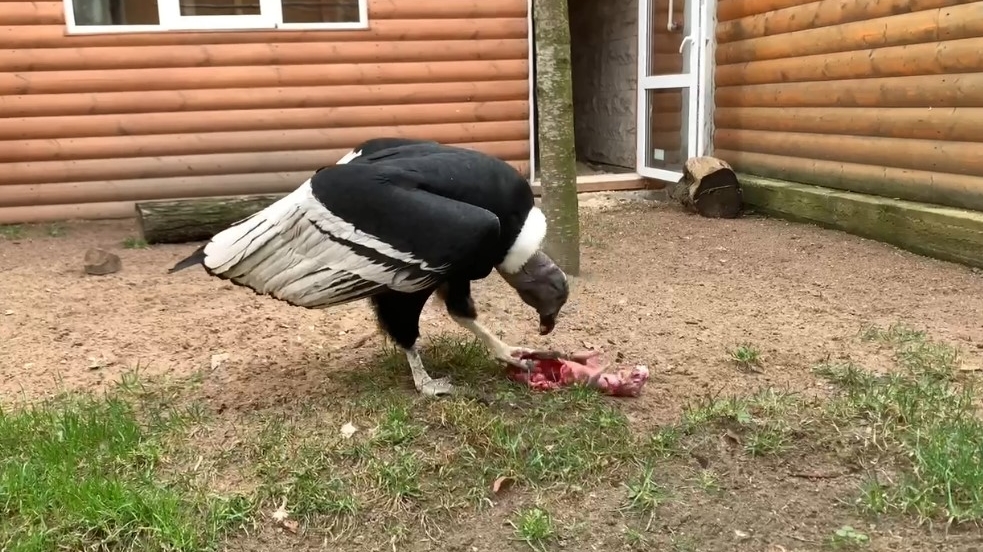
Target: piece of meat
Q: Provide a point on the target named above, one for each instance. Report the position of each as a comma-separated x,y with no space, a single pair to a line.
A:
552,371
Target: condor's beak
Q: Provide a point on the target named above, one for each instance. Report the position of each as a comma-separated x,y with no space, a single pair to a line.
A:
546,323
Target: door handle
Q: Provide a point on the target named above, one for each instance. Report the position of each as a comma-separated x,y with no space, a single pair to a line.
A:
682,44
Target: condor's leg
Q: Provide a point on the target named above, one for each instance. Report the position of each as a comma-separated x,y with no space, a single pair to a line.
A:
456,296
399,316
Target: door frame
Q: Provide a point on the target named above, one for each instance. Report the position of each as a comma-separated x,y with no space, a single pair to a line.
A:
698,80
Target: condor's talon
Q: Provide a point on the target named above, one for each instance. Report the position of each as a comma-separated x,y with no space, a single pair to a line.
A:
436,387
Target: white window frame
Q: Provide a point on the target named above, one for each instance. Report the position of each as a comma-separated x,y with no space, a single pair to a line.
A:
697,47
169,12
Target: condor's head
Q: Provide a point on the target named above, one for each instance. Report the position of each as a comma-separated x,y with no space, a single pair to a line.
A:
542,285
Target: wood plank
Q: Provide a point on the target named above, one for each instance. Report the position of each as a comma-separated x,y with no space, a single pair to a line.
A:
933,58
181,78
919,123
919,155
244,55
952,23
936,91
736,9
326,119
32,13
222,99
126,209
49,172
945,233
380,30
953,190
194,143
814,15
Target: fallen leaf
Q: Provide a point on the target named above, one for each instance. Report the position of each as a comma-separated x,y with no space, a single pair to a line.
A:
348,430
502,482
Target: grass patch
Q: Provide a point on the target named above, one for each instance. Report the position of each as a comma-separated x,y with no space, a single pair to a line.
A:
746,357
134,243
11,231
85,473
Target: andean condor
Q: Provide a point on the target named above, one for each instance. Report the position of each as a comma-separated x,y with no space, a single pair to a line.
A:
394,221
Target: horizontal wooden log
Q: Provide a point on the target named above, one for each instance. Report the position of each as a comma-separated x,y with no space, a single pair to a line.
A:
55,82
954,235
919,155
936,91
149,189
244,55
934,58
32,13
42,172
152,189
963,124
196,143
824,13
53,12
952,23
189,220
953,190
59,213
169,101
736,9
53,36
125,209
326,118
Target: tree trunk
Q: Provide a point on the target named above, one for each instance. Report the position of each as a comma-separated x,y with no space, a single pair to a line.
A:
557,157
191,220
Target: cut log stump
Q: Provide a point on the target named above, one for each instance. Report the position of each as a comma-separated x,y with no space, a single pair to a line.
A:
190,220
709,187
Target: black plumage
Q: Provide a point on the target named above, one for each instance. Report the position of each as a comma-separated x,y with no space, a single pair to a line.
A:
396,221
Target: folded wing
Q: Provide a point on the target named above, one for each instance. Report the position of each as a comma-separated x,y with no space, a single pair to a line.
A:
349,232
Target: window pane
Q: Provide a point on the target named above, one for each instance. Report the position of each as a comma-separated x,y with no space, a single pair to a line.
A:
320,11
664,55
220,7
668,139
116,12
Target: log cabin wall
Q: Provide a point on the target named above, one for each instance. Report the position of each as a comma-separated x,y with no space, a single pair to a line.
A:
882,97
90,124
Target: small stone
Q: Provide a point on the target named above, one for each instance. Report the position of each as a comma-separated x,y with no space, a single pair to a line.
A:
99,262
218,360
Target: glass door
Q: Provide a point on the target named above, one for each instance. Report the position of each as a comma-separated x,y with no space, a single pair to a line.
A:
671,42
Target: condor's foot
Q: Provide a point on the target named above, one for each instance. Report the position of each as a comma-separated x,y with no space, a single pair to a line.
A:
427,386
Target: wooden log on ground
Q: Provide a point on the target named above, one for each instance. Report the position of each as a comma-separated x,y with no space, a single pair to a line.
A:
709,187
190,220
941,232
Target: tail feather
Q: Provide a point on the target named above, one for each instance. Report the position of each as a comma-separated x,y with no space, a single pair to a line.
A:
196,258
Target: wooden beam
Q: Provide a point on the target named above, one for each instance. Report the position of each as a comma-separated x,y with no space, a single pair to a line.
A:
944,233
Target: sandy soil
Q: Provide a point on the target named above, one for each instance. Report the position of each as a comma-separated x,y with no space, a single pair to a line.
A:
661,287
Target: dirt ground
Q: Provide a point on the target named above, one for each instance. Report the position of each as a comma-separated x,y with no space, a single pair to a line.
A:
663,288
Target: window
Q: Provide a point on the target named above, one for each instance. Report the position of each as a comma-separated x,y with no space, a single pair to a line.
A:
127,16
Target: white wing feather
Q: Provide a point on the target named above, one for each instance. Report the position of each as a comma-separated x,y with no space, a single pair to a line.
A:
286,250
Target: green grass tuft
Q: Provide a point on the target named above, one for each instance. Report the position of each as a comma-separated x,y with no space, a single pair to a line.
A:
83,473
